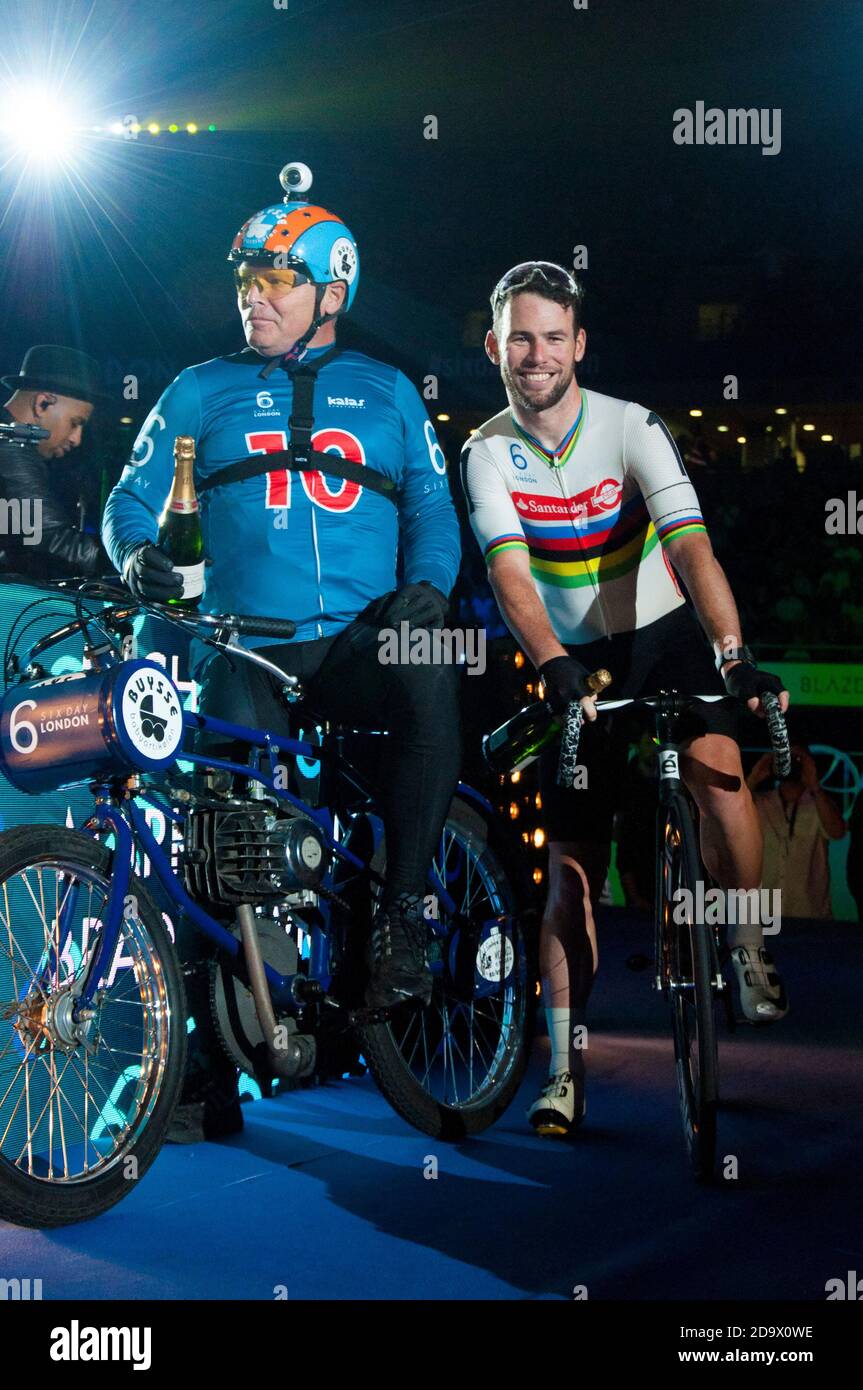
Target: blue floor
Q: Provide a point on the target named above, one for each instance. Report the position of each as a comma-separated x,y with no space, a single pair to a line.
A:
324,1194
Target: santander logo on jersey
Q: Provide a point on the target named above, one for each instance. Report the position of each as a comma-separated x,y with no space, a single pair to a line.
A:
606,495
594,501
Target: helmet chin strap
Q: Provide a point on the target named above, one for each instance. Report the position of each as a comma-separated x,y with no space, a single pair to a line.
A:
298,351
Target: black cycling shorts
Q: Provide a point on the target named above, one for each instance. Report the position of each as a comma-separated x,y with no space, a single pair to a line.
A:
671,653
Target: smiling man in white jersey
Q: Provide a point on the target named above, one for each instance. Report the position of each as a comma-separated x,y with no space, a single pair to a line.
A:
586,516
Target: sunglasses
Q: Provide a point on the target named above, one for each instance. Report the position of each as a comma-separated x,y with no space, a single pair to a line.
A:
271,282
528,272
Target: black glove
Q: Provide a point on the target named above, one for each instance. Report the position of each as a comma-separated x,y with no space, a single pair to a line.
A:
421,605
150,574
564,679
745,682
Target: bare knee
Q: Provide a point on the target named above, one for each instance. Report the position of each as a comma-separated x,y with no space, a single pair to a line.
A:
713,773
576,873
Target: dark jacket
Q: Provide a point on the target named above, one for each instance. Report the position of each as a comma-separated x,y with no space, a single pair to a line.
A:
62,550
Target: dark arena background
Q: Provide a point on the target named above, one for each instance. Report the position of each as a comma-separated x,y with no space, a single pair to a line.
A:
722,272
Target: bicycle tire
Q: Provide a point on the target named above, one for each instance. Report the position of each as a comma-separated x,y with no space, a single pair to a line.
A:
43,1200
685,969
386,1059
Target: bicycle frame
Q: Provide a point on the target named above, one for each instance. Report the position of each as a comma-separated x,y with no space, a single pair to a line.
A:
127,822
668,756
671,786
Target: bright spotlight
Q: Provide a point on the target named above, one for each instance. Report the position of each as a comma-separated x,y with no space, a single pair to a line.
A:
38,123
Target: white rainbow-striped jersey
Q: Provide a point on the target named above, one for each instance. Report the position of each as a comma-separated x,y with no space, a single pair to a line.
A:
594,515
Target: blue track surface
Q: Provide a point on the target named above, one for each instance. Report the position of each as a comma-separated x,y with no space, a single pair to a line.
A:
324,1190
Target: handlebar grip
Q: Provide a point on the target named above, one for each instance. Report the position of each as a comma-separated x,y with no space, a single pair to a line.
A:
261,627
573,720
778,731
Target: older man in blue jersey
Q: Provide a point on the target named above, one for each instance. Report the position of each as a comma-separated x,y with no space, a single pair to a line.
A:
317,549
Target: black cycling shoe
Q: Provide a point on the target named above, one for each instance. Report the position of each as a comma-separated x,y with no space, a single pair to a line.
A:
215,1113
397,955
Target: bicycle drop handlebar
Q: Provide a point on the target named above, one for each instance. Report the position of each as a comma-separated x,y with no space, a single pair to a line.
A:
574,719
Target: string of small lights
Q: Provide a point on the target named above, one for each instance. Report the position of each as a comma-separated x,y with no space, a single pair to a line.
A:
518,798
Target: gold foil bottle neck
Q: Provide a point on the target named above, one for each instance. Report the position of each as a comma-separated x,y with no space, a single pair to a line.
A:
599,681
184,447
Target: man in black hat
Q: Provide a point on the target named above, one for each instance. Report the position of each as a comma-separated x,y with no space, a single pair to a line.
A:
55,390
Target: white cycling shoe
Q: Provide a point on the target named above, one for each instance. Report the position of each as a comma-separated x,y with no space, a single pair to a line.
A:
762,993
560,1107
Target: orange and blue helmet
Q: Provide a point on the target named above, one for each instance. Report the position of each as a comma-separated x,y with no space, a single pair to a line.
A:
302,236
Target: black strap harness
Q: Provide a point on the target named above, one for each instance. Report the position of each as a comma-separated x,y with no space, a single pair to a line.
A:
300,456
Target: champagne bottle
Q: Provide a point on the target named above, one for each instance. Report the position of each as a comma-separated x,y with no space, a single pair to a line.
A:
180,533
515,744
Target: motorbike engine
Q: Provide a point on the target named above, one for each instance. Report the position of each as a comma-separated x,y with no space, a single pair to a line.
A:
248,852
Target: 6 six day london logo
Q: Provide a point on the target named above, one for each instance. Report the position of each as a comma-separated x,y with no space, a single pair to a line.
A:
520,462
265,404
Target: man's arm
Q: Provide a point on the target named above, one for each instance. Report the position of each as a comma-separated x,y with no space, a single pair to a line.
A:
762,769
136,502
499,531
693,558
500,535
62,549
522,609
653,460
829,815
428,525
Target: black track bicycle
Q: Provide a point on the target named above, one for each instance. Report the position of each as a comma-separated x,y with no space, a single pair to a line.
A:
687,949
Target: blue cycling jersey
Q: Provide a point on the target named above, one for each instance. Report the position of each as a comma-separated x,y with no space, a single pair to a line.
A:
305,546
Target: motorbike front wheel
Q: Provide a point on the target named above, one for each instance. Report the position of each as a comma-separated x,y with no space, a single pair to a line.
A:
84,1101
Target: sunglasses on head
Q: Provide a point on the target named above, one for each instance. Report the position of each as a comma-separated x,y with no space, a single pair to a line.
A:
528,272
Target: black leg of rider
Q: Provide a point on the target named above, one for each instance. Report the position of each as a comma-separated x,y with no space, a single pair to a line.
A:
418,704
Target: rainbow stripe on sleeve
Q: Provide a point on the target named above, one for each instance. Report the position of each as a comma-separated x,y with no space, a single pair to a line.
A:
680,526
501,543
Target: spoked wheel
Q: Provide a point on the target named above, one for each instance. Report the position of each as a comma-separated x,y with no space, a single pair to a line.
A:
85,1096
685,968
452,1069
